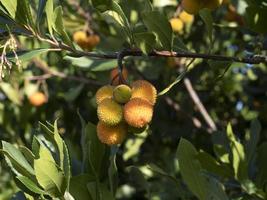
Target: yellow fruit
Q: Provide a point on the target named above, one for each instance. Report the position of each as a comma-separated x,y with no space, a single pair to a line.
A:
92,41
144,90
80,38
104,92
110,112
114,75
122,93
192,6
138,112
177,25
111,135
37,99
186,18
85,41
212,4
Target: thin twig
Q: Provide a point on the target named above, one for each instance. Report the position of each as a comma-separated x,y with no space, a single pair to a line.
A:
50,73
199,104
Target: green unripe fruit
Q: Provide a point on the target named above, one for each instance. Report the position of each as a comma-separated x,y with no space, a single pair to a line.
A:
122,94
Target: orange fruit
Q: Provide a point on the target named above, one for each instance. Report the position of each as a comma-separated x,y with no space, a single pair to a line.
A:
37,99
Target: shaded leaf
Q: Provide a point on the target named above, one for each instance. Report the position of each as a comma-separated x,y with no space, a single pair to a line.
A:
145,41
158,24
190,169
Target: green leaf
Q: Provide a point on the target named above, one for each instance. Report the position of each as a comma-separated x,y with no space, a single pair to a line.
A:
102,5
30,185
11,7
216,189
113,171
23,13
78,186
176,81
211,165
206,16
251,146
63,154
12,93
178,45
261,175
91,64
256,18
239,163
190,169
116,17
145,41
49,177
61,149
17,160
104,193
28,54
49,9
27,153
158,24
96,149
40,11
59,26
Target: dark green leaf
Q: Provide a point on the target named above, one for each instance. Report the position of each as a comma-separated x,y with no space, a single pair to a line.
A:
40,11
255,18
78,186
211,165
206,16
158,24
145,41
190,169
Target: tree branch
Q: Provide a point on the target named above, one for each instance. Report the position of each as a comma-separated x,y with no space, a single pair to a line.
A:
253,59
199,104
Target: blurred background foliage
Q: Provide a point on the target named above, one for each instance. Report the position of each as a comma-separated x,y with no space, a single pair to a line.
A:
233,94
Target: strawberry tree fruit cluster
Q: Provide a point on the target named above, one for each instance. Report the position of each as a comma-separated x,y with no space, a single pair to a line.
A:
123,109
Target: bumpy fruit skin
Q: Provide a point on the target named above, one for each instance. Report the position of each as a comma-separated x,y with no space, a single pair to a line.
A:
114,75
177,25
105,92
186,18
37,99
138,112
144,90
111,135
110,112
192,6
212,4
122,93
85,41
